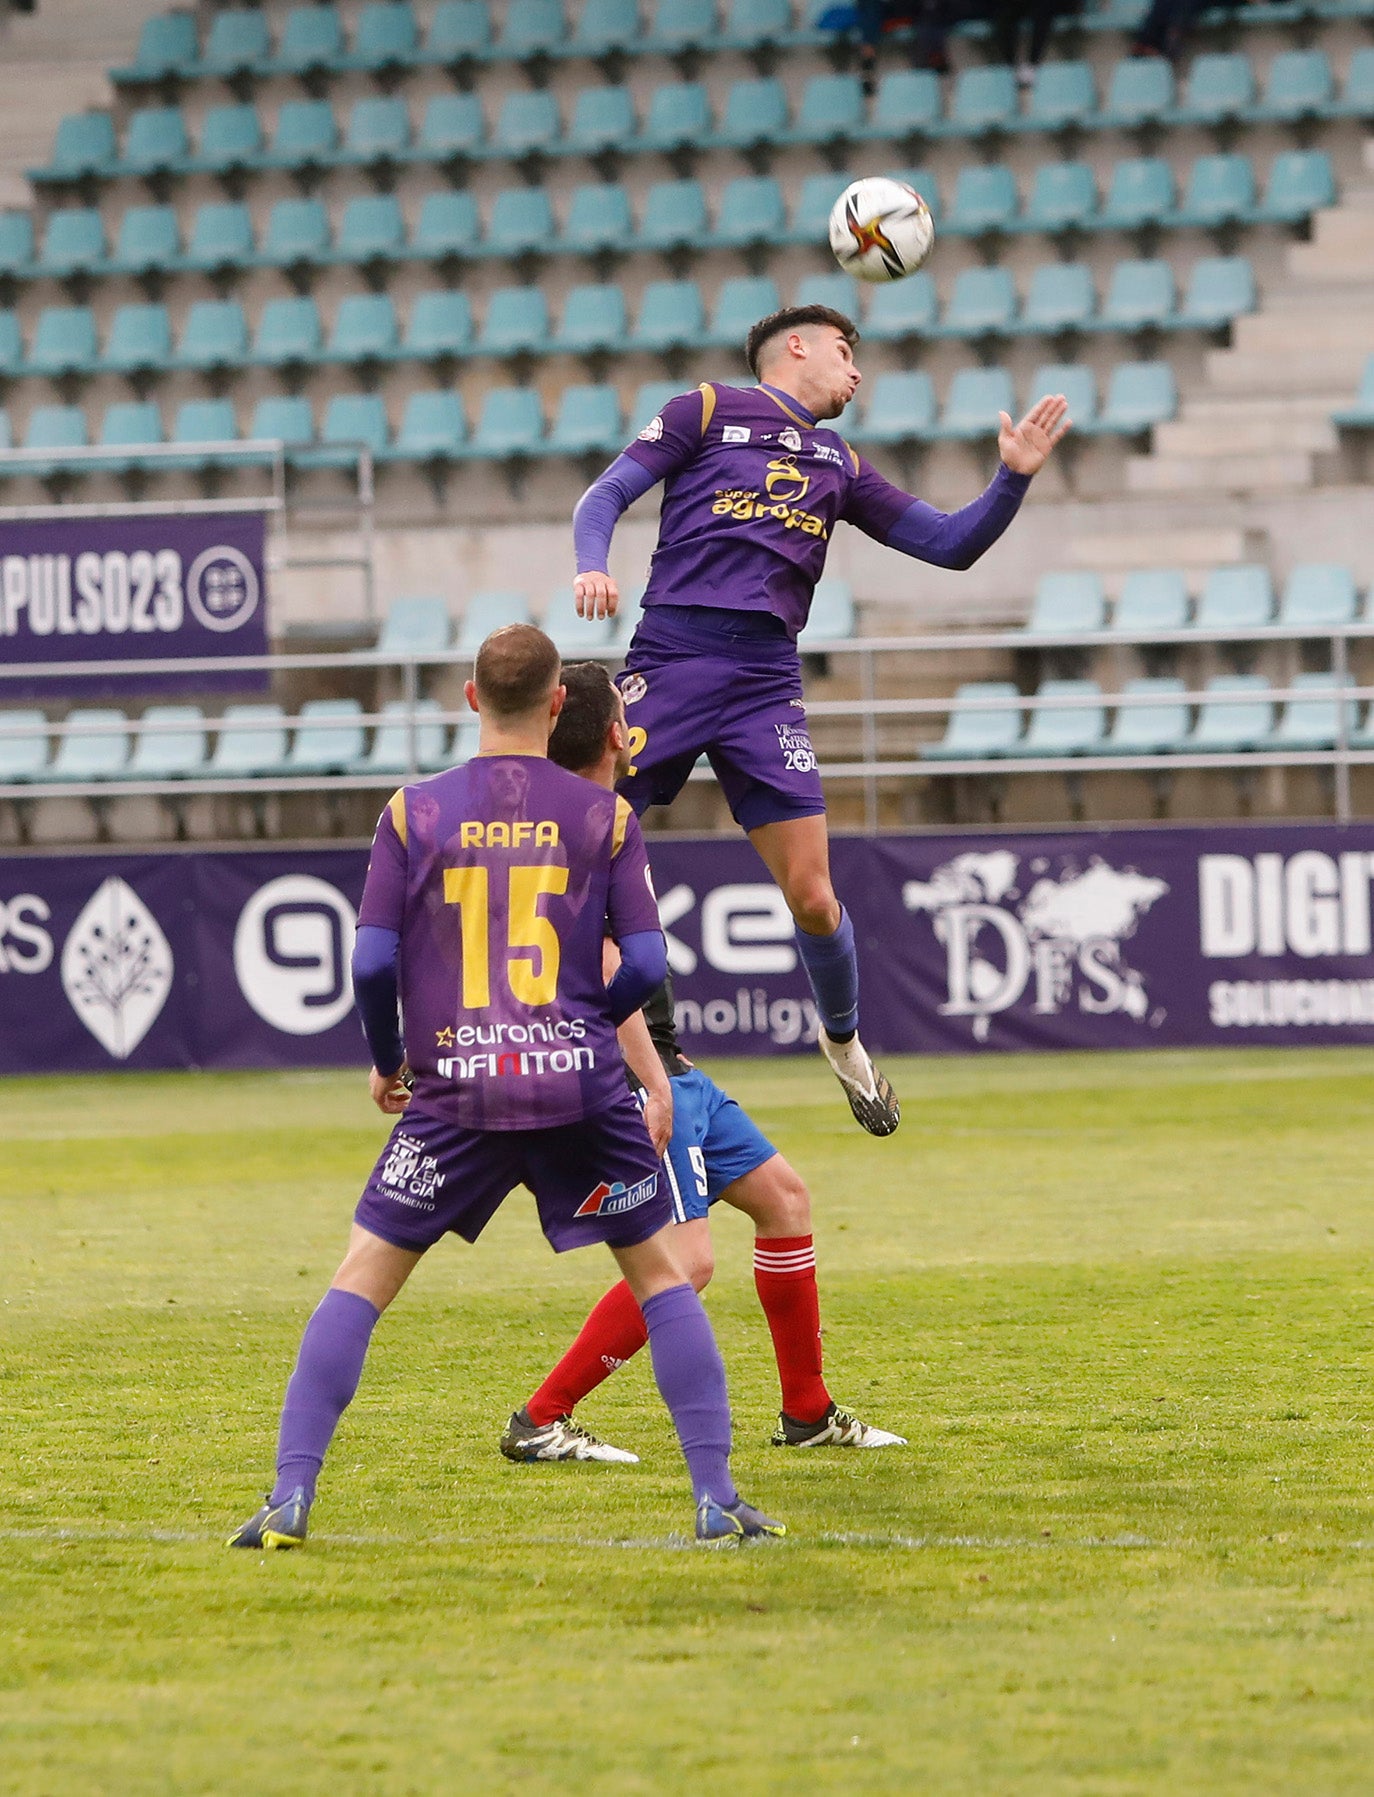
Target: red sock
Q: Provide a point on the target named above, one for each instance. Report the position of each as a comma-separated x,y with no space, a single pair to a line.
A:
785,1278
611,1334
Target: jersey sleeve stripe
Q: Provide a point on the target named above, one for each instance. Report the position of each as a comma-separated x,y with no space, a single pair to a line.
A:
396,805
853,454
708,405
621,824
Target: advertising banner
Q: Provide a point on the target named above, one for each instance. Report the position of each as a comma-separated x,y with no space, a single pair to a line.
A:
968,944
96,592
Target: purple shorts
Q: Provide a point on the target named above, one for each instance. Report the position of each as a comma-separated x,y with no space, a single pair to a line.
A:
593,1181
738,700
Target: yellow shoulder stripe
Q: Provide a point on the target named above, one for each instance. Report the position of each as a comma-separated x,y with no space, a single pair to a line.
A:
853,454
708,405
787,411
622,823
396,805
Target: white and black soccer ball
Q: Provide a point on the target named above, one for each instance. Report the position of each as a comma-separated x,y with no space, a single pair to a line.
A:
881,229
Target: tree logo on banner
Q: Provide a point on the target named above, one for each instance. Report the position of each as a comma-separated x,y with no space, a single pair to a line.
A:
1060,942
117,968
292,948
222,588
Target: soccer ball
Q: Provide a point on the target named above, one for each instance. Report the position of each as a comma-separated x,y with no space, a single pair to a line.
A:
880,229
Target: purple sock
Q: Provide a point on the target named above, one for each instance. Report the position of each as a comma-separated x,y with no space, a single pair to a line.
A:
691,1378
328,1368
832,966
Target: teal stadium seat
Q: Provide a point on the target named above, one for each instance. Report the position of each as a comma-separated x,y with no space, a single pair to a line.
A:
1312,721
815,199
985,101
1234,726
899,310
485,612
604,26
839,292
396,746
1157,724
1141,93
353,422
1221,191
170,743
312,40
459,34
63,342
674,216
452,130
6,430
288,335
285,419
1319,594
16,243
84,145
976,396
306,136
239,44
587,421
755,113
982,303
156,142
534,28
149,238
510,426
433,431
1061,298
1301,182
832,618
1300,86
231,141
1235,600
23,746
378,134
973,733
94,746
680,25
574,637
516,324
1360,414
521,222
1220,290
1068,603
215,336
297,235
11,348
527,123
1141,193
1077,382
898,408
1057,728
679,116
1141,296
439,328
603,118
984,201
54,429
1219,87
1063,197
372,230
671,316
739,305
167,45
831,111
1152,600
752,23
140,341
1063,95
1357,97
74,241
202,421
751,212
594,320
447,227
907,106
221,239
1140,395
250,744
364,331
387,38
649,401
329,738
598,218
129,424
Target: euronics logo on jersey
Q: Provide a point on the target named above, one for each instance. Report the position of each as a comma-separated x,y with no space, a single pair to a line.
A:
1048,939
611,1200
292,948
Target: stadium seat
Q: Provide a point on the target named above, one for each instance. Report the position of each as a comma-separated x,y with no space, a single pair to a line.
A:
1360,414
433,430
16,243
371,230
239,44
386,37
604,26
1141,93
167,44
140,341
306,136
587,421
200,422
897,408
982,303
985,101
832,618
84,145
1064,94
598,218
739,305
511,425
839,292
1301,182
378,133
533,28
1141,296
1245,722
1068,603
156,142
1299,86
439,327
984,201
526,123
976,396
680,25
215,336
55,429
1152,600
459,33
1158,725
1061,297
674,216
649,401
593,320
1320,595
907,105
755,113
1063,197
451,130
149,238
1140,395
63,342
170,743
485,612
221,239
751,212
397,746
288,335
603,118
129,424
575,637
73,242
1057,728
1219,87
973,733
1141,193
328,738
11,346
23,746
94,746
297,235
1221,190
1357,97
1313,722
1077,382
1235,600
447,226
810,222
521,222
671,316
250,744
678,117
353,422
516,324
311,40
285,419
899,309
1220,290
831,111
751,23
364,330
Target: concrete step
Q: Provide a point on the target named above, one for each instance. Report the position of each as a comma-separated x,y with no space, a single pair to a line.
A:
1316,367
1251,432
1221,474
1193,547
1300,408
1276,332
1321,295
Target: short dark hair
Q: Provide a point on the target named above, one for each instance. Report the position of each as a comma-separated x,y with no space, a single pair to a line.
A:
793,318
588,712
516,668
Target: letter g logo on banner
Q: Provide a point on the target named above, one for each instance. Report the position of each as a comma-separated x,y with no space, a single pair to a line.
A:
291,954
222,588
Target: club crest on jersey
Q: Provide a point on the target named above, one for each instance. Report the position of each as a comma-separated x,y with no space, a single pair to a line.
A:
633,689
611,1200
790,439
735,433
652,431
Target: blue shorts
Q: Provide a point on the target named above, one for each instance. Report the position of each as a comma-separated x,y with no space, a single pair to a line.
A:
714,1142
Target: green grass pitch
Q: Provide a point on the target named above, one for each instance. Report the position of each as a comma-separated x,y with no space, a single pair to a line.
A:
1120,1304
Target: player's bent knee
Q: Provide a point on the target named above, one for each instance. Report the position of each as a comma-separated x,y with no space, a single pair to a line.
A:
813,904
789,1203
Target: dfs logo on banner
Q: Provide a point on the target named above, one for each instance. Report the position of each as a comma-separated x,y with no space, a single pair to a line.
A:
292,948
1060,941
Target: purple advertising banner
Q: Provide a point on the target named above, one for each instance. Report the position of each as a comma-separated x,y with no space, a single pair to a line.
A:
97,592
1078,939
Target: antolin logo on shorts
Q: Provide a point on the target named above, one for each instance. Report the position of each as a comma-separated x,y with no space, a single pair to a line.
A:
610,1200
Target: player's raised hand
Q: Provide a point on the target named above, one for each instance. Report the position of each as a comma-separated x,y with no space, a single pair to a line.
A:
595,596
1025,447
390,1093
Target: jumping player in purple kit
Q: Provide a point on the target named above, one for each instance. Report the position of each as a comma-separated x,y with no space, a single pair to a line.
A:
754,484
488,895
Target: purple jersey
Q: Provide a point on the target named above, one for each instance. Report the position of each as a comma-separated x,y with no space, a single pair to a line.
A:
502,878
753,489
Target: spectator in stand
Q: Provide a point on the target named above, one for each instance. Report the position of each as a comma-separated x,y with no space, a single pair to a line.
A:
929,22
1165,28
1018,24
